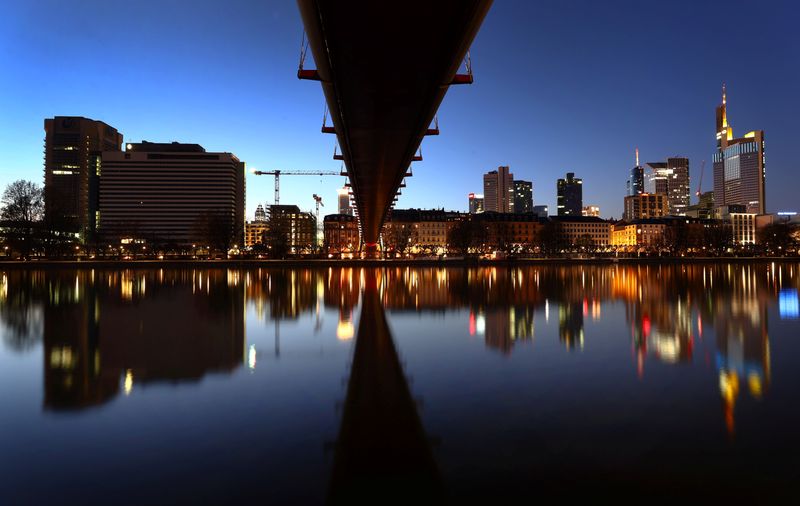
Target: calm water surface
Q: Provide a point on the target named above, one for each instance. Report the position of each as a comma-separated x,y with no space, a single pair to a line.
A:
274,386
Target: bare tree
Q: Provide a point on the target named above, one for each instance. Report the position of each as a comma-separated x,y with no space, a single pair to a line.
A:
22,212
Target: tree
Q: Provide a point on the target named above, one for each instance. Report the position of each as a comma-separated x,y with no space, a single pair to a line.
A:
276,238
22,212
585,243
718,237
548,239
776,238
466,236
216,229
398,237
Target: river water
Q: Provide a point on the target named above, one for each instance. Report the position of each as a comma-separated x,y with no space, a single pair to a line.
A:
301,386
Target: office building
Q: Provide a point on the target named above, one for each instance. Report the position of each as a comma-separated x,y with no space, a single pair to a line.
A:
523,197
498,190
636,179
645,205
254,232
475,203
71,170
639,233
300,228
591,211
171,193
428,229
739,166
505,229
341,233
672,179
261,214
704,208
343,195
541,211
570,195
573,229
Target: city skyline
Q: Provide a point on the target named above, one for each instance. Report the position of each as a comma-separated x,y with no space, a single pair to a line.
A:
277,122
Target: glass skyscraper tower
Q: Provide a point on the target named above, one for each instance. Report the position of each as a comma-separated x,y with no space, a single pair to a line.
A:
739,166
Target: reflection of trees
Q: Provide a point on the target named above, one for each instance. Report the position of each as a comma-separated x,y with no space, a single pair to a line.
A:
22,293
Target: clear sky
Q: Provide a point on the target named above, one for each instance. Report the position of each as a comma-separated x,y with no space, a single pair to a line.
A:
559,86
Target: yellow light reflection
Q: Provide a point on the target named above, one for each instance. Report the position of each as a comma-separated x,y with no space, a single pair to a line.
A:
128,385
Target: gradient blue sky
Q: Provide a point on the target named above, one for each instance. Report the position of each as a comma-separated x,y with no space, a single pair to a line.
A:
559,86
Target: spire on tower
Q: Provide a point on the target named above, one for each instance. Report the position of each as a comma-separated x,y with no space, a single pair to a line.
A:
728,133
637,157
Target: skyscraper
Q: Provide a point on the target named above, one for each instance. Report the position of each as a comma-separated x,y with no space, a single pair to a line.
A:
498,190
570,195
71,170
739,166
636,179
176,193
344,201
523,197
475,203
672,179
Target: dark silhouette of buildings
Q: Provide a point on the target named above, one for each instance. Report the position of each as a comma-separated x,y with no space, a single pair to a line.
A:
523,197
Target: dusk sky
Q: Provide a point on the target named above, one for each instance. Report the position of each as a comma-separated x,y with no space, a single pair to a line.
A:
559,86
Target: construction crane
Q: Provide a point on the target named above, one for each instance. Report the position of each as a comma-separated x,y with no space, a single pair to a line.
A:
700,184
277,173
318,202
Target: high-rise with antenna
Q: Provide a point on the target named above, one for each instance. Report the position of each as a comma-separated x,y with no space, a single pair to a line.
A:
636,179
739,165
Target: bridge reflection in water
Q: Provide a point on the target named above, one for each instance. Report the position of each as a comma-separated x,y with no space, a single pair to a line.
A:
382,446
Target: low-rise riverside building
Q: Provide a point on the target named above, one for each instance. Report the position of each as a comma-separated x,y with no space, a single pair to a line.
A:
340,233
638,234
574,230
254,233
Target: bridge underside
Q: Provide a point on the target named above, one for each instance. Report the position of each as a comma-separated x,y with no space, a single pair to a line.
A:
385,68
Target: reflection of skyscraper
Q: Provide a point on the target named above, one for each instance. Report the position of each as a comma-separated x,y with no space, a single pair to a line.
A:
113,333
570,324
742,349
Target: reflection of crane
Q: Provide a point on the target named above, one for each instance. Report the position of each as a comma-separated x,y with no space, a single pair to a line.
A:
277,173
700,184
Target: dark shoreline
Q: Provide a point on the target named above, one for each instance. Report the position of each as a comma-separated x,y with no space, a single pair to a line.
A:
323,263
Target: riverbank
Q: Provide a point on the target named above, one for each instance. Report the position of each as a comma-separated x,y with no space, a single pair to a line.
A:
325,263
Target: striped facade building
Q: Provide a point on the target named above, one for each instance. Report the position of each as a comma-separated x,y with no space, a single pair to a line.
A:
171,193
